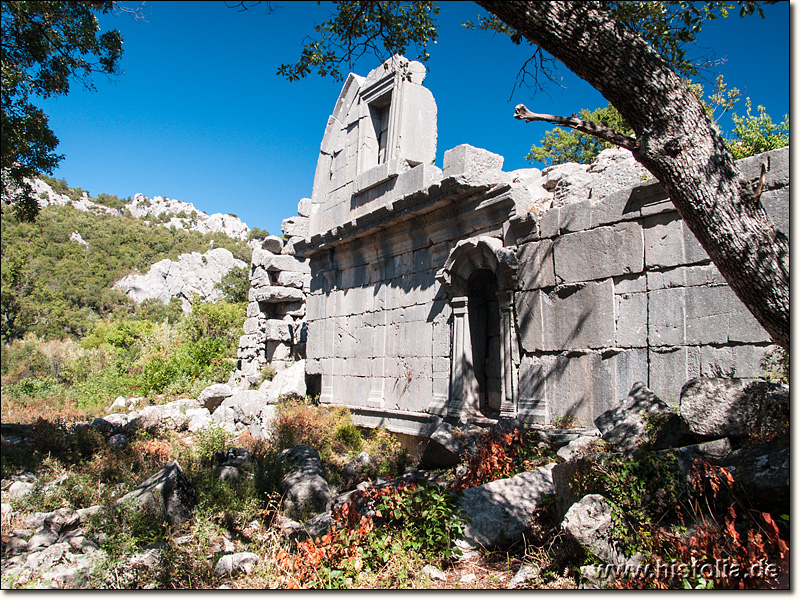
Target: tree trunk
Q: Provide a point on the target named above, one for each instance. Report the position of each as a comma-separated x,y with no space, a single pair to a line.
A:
676,142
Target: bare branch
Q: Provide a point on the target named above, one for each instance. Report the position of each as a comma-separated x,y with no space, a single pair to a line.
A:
544,65
595,129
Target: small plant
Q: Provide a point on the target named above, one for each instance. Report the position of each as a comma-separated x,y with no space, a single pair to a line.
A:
565,421
209,440
776,365
409,523
267,374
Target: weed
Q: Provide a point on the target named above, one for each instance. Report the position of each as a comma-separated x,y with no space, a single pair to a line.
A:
565,421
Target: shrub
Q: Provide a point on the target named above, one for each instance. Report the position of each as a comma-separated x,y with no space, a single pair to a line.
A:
209,440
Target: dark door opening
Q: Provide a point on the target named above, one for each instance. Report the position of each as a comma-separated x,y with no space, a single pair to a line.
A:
484,328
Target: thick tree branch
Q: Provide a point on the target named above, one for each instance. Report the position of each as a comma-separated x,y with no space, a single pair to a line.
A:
595,129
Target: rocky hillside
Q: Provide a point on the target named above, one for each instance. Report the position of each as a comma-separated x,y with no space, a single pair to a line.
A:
59,272
160,210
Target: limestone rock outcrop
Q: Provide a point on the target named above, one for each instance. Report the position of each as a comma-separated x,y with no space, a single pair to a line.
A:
191,274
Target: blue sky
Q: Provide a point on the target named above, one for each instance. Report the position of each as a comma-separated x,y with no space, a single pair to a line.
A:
200,115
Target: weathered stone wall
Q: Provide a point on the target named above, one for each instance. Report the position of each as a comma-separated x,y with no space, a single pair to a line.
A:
620,291
467,293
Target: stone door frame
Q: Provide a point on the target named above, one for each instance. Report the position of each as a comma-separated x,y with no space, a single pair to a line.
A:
468,256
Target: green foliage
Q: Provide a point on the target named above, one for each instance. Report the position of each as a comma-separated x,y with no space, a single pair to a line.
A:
46,45
53,286
256,233
756,134
235,284
776,366
209,440
383,28
646,488
431,513
155,311
751,134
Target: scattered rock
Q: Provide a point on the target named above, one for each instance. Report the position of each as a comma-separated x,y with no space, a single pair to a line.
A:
642,419
434,573
168,493
500,511
230,564
526,573
577,448
288,383
761,472
211,397
590,522
42,539
306,491
118,441
721,407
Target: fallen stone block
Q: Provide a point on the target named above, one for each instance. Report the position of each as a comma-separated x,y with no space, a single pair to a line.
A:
168,494
500,511
640,420
721,407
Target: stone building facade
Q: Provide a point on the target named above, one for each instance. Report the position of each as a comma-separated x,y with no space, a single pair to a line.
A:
466,293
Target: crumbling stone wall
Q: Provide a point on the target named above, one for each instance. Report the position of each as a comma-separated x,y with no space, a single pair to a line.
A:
275,328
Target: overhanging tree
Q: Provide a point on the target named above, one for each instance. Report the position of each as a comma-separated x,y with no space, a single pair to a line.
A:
629,52
45,46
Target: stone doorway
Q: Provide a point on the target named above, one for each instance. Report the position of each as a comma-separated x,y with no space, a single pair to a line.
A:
484,331
479,276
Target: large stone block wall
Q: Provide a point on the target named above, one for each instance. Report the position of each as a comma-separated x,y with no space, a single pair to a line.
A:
620,291
608,292
599,283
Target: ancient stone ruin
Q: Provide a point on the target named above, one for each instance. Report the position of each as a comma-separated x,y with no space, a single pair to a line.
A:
418,294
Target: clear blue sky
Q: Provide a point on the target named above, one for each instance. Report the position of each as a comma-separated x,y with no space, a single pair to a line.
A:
200,115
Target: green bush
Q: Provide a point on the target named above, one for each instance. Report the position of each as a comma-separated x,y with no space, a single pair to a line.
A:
209,440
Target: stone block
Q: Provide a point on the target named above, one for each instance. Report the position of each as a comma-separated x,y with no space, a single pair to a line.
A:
663,241
714,315
261,256
567,317
277,330
500,510
630,284
253,310
670,368
251,326
304,207
278,351
548,224
776,203
722,407
272,244
599,253
575,217
626,424
292,279
284,262
417,109
536,268
273,294
631,321
732,361
417,179
667,317
474,166
618,206
168,493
